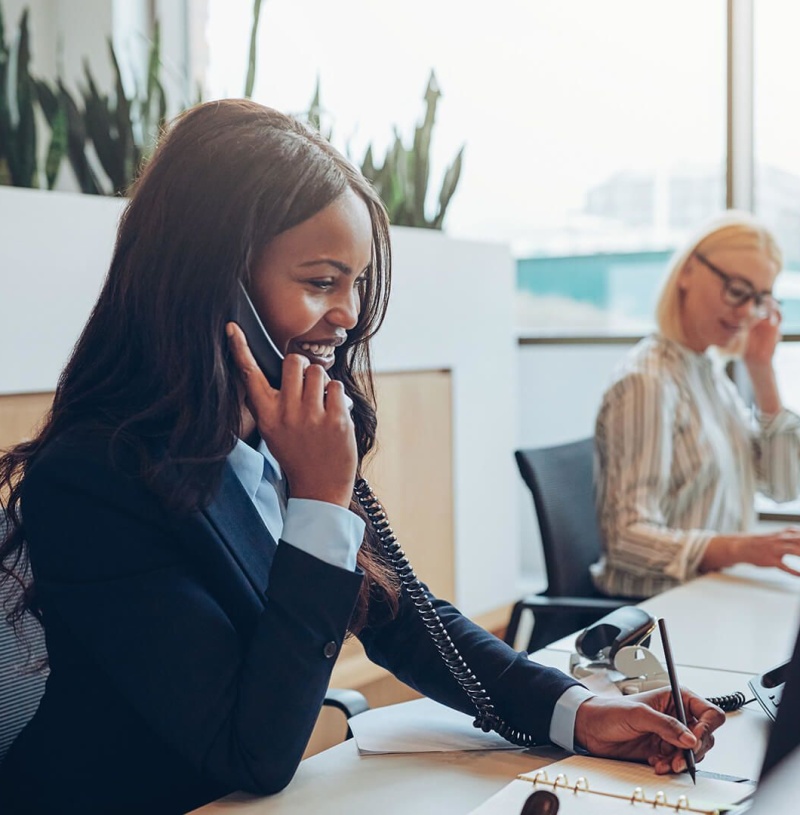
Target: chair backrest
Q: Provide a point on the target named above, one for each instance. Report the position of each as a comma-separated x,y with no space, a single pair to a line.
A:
21,686
561,481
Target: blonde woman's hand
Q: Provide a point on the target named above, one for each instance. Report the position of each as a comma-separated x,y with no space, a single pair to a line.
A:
767,550
306,424
770,549
762,340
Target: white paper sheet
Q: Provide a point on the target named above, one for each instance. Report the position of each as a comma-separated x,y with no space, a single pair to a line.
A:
420,726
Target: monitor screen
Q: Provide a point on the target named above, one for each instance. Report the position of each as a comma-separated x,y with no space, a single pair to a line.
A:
785,734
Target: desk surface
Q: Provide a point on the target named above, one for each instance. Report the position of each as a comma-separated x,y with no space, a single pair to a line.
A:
340,780
744,619
757,613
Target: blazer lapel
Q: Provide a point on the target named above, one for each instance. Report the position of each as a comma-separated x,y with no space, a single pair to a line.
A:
232,549
242,531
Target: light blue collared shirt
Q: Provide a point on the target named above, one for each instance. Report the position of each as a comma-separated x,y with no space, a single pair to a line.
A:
334,534
325,531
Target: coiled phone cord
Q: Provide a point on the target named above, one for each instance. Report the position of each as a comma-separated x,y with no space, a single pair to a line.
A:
730,702
486,718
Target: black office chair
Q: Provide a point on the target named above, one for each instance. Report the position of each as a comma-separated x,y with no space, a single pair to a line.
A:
22,685
348,701
560,479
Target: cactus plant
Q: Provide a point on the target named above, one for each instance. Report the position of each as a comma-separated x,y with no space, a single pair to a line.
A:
17,124
403,178
124,130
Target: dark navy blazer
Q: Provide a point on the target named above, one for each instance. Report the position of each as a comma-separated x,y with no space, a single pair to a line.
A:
190,654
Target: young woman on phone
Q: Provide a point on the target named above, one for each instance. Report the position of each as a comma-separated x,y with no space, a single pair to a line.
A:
196,553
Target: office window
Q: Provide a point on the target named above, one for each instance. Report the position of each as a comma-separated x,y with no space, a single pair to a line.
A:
777,164
594,132
775,126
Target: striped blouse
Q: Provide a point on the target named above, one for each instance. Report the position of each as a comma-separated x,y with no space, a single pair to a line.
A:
678,459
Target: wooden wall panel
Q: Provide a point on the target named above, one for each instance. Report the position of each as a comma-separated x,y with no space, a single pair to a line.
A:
20,414
412,473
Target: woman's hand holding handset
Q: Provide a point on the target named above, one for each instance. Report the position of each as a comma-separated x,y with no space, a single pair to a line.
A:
762,340
306,424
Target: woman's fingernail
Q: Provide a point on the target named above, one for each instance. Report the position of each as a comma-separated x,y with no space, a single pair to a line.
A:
229,329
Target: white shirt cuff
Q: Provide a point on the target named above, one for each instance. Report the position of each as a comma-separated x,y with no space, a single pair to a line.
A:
562,725
325,531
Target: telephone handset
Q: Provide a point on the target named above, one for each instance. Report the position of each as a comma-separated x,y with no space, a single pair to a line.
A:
264,350
768,688
618,643
270,359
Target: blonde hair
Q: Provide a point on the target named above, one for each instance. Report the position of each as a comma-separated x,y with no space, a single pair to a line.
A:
734,229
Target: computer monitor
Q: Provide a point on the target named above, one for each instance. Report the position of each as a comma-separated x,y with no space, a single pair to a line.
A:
785,734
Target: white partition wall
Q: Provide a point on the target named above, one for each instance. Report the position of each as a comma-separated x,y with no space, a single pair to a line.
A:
54,252
560,387
452,307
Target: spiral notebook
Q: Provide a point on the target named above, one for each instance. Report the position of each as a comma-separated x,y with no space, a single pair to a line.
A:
597,786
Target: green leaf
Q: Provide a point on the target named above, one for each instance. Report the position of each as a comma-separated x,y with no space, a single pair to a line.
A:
128,153
24,170
449,184
6,134
101,130
368,165
57,149
314,115
422,148
251,56
76,143
48,100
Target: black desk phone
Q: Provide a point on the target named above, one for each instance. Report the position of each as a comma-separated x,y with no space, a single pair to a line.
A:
270,360
768,688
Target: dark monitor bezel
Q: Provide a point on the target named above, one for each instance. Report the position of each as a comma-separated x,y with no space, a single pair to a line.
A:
784,736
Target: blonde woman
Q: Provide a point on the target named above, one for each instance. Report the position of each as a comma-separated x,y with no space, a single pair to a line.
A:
679,456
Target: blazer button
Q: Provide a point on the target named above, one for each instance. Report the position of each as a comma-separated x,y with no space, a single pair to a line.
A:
330,649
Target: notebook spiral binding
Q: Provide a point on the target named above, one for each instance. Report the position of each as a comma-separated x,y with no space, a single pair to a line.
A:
637,796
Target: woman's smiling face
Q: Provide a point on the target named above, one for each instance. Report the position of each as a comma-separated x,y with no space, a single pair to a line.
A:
307,285
706,317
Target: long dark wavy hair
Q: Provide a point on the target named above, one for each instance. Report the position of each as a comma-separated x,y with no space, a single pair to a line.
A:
152,369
